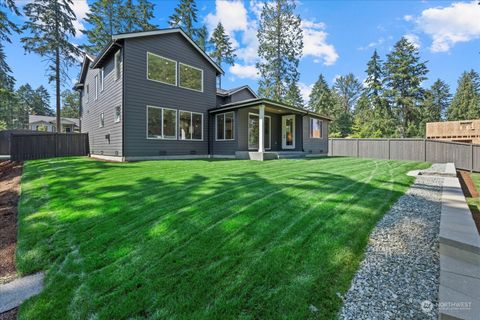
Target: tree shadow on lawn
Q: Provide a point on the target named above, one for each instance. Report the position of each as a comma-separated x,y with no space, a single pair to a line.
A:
237,246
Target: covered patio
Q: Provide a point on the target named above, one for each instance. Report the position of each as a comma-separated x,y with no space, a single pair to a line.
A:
262,129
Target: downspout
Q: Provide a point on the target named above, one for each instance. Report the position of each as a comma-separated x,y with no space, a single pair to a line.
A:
123,100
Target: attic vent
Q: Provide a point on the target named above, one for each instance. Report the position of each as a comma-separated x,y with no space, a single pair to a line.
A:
193,151
162,152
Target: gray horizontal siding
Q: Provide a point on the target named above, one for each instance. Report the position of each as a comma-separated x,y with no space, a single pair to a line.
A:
243,94
140,92
108,99
313,145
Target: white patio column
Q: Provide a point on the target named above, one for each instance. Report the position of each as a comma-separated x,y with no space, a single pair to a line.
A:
261,128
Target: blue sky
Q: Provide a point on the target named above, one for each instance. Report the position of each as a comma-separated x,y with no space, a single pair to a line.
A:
339,37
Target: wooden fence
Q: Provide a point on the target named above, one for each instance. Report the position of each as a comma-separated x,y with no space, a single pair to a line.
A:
30,146
466,156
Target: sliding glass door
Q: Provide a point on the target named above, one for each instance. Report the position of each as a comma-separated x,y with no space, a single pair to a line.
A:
253,127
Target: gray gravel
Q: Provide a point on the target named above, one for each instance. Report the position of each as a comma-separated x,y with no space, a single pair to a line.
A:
401,264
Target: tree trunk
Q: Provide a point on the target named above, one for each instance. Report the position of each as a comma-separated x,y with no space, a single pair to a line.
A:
57,87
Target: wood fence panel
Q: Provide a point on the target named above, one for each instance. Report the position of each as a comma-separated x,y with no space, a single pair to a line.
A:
407,149
465,156
368,148
47,145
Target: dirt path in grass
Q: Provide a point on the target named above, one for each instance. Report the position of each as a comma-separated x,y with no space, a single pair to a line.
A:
10,174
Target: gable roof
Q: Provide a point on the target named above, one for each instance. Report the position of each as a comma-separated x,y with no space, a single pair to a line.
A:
267,102
223,92
138,34
87,59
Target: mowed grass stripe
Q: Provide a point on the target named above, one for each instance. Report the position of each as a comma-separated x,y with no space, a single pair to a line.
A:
198,239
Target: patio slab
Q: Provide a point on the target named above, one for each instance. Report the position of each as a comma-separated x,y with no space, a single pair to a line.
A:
14,293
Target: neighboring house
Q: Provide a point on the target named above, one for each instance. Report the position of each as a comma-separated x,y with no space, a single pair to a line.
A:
460,131
153,95
49,124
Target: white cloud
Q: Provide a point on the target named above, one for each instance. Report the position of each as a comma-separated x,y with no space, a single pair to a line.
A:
373,44
305,90
244,71
81,8
315,43
408,17
232,15
449,25
413,39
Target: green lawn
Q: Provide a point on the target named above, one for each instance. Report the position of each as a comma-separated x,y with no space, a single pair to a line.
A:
199,239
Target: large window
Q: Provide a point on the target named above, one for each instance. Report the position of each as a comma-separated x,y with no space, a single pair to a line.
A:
253,130
191,77
161,123
191,125
161,69
315,128
225,124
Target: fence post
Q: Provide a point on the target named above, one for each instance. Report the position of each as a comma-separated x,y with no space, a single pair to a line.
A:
471,153
332,147
389,156
425,147
358,148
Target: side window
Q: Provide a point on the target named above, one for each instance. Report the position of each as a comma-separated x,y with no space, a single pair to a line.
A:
118,114
118,64
191,125
102,78
315,128
96,87
102,120
87,92
225,126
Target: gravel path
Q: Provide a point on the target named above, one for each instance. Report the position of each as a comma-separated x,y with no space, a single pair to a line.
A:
401,268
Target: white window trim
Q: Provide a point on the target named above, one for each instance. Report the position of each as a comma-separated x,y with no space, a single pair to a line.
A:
102,120
102,79
310,128
176,123
224,127
269,131
179,82
115,62
115,114
191,124
176,70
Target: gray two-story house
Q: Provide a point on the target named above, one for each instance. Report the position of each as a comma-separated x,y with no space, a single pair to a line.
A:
153,95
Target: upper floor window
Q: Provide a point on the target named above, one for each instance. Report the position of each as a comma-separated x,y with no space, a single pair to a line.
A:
102,77
161,69
315,128
118,64
87,92
225,126
96,87
161,123
191,77
191,125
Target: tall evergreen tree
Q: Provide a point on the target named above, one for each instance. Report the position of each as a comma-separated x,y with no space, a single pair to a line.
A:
7,81
293,96
109,17
105,20
7,26
374,80
50,23
70,104
348,89
185,16
280,48
223,51
438,100
41,102
202,37
404,73
466,101
321,99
